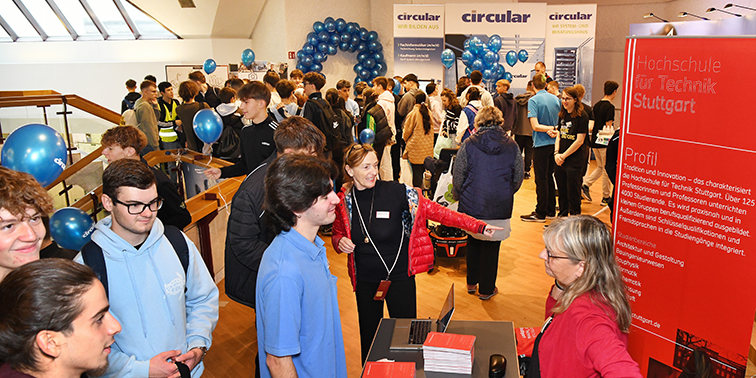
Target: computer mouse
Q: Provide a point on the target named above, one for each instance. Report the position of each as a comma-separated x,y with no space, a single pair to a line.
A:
497,366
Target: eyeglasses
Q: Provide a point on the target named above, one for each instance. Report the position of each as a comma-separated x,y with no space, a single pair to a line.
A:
138,208
548,253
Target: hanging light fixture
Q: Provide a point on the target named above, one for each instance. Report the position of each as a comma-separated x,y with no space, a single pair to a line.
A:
685,14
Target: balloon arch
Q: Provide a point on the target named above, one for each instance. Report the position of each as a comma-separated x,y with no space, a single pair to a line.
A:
332,35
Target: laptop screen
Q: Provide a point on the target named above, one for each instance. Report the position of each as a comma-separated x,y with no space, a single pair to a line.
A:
446,311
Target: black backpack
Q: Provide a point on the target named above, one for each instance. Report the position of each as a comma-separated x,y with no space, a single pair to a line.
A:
228,145
93,257
331,123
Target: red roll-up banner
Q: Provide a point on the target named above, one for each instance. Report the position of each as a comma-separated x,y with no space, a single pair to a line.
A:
685,202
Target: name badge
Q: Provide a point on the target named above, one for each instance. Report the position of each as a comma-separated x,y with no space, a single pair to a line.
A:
382,214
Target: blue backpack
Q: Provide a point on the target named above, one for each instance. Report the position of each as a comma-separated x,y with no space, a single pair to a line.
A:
470,111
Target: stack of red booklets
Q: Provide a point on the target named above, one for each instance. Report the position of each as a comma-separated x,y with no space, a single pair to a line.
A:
380,369
449,353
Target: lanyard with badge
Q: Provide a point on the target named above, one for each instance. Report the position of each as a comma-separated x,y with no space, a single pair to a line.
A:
380,293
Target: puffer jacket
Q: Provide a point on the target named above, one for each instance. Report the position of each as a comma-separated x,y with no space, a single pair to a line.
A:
420,246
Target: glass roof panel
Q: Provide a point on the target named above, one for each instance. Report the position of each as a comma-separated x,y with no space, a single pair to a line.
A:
109,15
4,37
78,17
45,16
17,21
149,28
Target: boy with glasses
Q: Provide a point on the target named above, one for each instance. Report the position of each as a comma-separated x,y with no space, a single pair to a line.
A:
168,310
125,142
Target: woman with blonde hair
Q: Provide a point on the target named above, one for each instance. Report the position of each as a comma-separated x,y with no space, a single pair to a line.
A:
487,173
381,225
588,312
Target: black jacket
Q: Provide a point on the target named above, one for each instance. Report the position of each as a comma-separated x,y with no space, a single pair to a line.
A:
256,145
246,236
506,103
382,129
314,114
210,97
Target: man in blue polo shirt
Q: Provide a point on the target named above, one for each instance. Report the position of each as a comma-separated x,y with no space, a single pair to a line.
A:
543,113
298,322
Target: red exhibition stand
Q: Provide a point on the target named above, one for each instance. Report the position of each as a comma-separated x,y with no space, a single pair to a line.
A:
685,201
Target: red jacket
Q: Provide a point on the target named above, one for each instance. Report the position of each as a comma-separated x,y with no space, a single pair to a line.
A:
420,245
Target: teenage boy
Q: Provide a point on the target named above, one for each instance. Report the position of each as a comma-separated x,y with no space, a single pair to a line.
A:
207,93
288,106
131,97
506,103
256,138
23,205
384,145
476,78
298,321
168,309
55,322
344,87
232,118
603,113
270,79
247,236
168,122
147,113
123,142
543,112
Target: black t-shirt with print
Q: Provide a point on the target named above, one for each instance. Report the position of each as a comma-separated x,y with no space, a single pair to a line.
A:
569,129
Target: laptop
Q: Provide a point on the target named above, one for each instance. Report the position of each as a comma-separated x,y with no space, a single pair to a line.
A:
410,334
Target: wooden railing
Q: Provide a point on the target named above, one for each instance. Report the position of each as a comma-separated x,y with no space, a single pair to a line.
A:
203,207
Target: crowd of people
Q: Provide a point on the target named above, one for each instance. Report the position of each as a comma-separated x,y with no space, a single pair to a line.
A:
147,304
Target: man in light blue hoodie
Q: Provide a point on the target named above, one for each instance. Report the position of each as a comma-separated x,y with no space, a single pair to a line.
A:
168,314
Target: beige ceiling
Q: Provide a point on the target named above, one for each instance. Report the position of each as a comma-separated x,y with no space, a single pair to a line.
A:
210,18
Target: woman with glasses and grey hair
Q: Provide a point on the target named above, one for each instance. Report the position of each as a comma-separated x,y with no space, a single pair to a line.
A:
381,225
588,311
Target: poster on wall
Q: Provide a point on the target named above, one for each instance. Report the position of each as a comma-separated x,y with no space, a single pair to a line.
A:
175,74
685,204
418,41
521,28
570,41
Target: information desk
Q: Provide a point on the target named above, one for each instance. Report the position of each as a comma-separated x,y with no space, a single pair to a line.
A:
491,337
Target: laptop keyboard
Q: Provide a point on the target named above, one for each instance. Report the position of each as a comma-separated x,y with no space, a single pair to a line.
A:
418,331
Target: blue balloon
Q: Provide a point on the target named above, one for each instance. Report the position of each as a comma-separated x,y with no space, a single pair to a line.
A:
319,57
209,66
374,73
494,43
362,56
468,57
329,19
375,46
350,28
208,125
332,50
357,68
511,58
468,71
323,48
308,60
397,87
323,37
447,58
317,67
477,65
378,56
71,228
312,39
345,37
508,76
367,136
368,63
476,45
355,40
522,55
248,57
300,54
365,73
330,25
344,46
489,58
301,67
500,70
318,27
340,25
372,36
334,39
488,75
358,80
382,69
363,34
309,49
362,46
36,149
466,45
